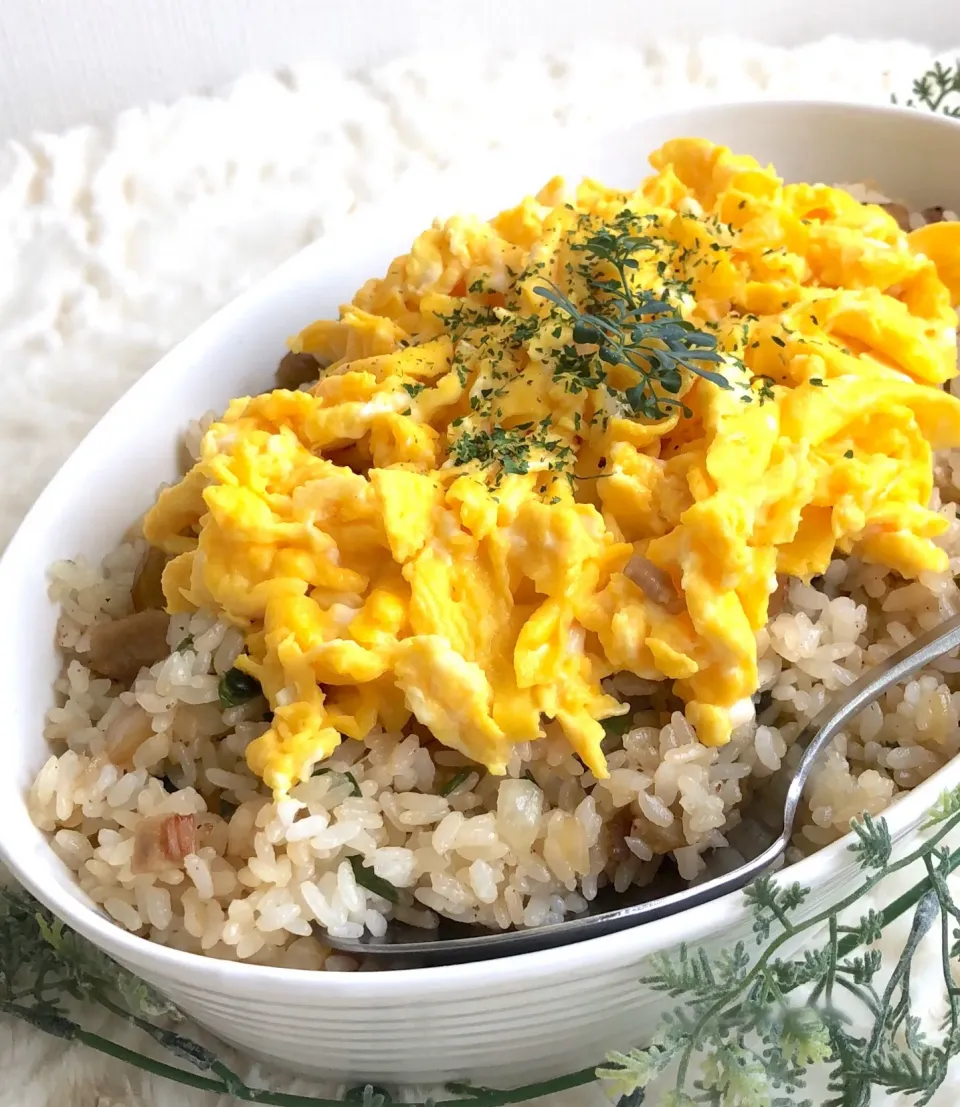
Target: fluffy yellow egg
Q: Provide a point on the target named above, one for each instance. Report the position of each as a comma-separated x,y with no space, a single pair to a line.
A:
580,439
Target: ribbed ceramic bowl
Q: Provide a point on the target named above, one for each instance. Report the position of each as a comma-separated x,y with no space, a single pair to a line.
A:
507,1021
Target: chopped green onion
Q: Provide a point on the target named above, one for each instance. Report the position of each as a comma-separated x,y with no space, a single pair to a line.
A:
617,725
614,729
455,781
368,879
237,687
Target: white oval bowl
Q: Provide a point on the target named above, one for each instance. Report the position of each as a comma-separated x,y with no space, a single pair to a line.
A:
496,1022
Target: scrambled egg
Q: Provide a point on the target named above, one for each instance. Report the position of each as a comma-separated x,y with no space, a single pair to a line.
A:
506,421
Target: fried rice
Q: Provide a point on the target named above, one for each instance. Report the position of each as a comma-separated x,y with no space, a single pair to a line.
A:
397,826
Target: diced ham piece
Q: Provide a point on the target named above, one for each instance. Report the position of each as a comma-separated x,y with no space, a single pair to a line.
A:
163,840
655,584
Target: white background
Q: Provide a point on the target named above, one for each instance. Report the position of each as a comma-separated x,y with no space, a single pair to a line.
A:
73,61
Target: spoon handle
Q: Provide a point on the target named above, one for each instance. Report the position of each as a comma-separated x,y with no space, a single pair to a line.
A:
824,726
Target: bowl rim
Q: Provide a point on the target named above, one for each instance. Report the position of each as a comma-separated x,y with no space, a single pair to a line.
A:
625,946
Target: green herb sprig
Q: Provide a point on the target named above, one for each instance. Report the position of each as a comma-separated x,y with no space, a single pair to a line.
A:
935,89
742,1035
630,326
648,335
627,326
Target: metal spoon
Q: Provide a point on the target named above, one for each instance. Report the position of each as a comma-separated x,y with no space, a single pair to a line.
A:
728,870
